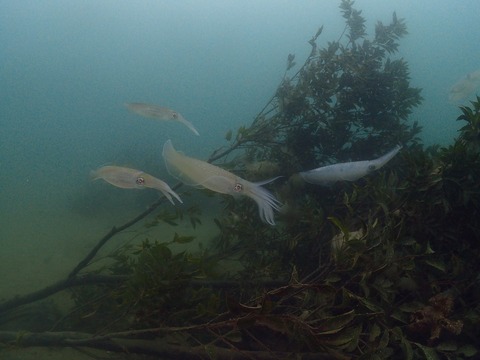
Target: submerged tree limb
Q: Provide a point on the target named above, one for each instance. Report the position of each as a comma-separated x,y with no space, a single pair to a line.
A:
157,347
59,286
97,279
115,230
73,279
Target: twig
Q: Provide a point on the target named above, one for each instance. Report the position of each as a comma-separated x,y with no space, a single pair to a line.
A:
59,286
115,230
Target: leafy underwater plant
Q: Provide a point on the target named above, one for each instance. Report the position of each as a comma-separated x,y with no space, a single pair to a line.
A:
470,133
348,98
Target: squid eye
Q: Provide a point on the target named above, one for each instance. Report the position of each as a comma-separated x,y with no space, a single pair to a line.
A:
238,187
371,168
140,181
174,115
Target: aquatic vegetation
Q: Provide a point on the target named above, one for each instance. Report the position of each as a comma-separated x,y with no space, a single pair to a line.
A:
156,279
385,267
433,318
262,169
160,113
349,99
470,133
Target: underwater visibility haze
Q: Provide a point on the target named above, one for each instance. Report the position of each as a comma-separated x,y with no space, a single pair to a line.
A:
354,126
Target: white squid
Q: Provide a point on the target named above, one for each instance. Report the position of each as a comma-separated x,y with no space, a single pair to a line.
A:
127,178
160,113
464,87
199,173
349,171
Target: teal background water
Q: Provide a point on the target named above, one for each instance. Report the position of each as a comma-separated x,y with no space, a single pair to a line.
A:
67,67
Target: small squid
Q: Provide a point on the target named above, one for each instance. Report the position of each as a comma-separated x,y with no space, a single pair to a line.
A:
127,178
349,171
160,113
464,87
199,173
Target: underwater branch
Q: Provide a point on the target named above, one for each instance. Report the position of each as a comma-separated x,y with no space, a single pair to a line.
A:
131,342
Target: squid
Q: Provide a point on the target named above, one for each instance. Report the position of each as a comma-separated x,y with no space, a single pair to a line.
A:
349,171
160,113
127,178
464,87
198,173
